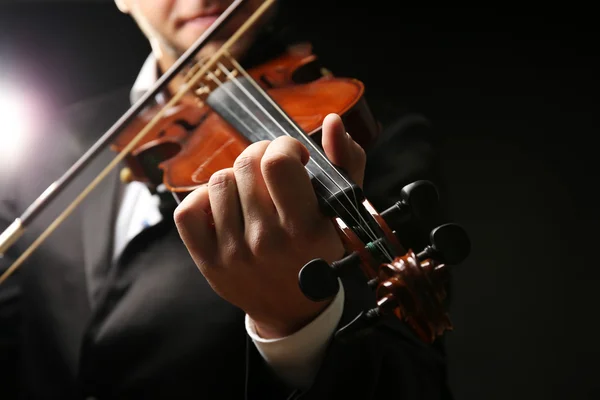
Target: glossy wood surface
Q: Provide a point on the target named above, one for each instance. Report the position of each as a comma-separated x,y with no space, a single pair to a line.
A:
192,142
414,292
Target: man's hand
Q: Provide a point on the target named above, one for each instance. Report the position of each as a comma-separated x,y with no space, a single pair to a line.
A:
267,225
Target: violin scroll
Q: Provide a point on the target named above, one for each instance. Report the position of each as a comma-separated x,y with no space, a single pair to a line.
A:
410,287
318,280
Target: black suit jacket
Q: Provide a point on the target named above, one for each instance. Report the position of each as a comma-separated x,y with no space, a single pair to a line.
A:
149,326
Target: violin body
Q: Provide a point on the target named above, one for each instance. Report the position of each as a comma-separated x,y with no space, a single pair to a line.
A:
193,141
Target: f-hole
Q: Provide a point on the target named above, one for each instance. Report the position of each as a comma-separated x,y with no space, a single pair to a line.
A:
150,158
308,72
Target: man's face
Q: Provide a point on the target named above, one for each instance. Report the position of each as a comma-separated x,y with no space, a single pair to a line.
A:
175,25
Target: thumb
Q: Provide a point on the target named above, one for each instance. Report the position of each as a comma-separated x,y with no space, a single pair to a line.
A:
342,150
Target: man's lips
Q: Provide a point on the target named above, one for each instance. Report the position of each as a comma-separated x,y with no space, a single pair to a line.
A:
202,20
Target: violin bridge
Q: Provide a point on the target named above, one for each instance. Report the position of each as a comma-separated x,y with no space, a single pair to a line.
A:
221,71
202,91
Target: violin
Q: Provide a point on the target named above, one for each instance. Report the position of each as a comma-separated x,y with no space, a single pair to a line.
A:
178,145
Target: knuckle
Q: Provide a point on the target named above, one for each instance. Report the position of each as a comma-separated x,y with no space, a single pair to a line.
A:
233,253
285,140
182,213
220,179
244,162
276,161
261,241
188,209
250,156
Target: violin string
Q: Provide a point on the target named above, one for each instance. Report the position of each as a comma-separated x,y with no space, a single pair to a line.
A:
273,135
363,224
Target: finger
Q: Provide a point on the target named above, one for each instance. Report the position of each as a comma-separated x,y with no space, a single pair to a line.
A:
342,150
226,209
195,227
257,206
288,181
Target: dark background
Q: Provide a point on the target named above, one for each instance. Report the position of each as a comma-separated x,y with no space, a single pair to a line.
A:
512,94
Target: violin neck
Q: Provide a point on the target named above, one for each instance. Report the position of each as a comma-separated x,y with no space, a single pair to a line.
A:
252,112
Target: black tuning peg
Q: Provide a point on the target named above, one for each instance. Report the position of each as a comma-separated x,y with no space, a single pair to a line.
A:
419,199
450,245
319,280
360,326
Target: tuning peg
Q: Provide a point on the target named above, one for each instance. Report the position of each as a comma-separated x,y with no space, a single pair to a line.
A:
372,283
419,199
450,245
361,325
319,281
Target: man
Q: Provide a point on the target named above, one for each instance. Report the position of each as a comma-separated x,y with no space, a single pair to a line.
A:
114,305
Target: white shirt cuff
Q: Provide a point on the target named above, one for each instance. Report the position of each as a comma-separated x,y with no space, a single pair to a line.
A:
296,358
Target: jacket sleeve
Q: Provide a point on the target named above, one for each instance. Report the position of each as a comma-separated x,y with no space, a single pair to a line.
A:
390,361
387,363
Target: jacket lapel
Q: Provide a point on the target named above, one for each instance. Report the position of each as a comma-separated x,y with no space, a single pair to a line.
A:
98,216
